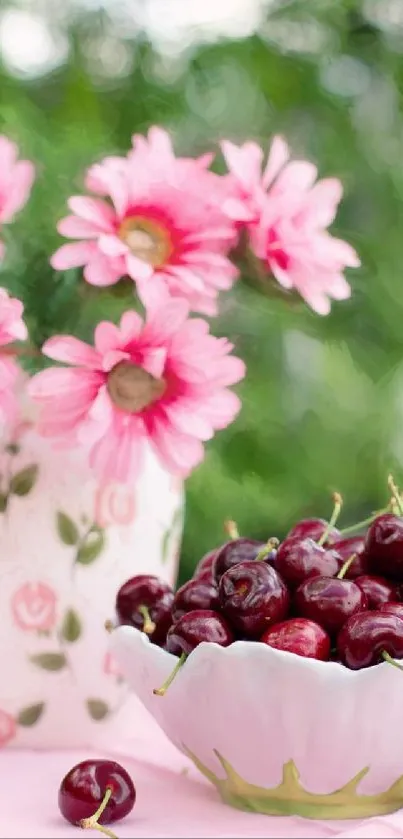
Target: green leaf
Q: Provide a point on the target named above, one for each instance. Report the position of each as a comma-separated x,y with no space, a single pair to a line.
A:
3,502
71,626
66,529
22,482
97,709
49,661
91,548
30,715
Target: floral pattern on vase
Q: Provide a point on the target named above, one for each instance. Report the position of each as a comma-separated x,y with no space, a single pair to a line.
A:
66,545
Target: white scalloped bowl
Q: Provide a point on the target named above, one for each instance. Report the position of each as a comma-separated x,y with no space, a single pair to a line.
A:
274,732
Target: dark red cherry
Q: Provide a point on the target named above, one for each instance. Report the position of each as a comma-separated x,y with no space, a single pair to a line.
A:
346,548
329,601
86,786
300,636
297,559
313,529
145,602
204,567
366,635
195,627
252,597
378,590
384,546
195,594
234,552
391,609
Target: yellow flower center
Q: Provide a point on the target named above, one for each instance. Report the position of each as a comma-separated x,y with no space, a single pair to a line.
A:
132,389
147,239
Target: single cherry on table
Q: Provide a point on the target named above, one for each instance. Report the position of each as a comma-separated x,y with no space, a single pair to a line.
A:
95,793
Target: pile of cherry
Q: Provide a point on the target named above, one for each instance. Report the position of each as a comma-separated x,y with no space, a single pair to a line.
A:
318,594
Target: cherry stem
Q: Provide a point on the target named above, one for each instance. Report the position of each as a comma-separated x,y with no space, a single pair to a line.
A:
162,690
109,626
396,495
391,660
338,503
231,529
92,821
270,545
344,568
148,625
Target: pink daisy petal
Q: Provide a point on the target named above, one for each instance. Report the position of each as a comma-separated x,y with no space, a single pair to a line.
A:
244,162
22,179
321,204
73,255
72,351
101,271
111,245
130,326
8,153
76,228
95,211
279,154
137,269
106,337
179,452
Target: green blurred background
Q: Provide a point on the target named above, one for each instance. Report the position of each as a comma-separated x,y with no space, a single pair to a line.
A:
323,399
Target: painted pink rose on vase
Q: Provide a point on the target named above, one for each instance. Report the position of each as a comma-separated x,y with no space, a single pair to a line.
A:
162,225
16,179
8,728
34,607
114,504
164,381
287,211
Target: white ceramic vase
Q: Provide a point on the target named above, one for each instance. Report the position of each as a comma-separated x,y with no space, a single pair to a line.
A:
66,545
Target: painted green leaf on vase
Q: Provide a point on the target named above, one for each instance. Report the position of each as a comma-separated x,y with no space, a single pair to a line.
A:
97,709
49,661
71,627
22,482
66,528
3,502
91,547
30,715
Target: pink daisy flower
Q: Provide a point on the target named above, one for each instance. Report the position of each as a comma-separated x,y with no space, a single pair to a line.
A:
12,328
287,212
163,226
16,179
164,380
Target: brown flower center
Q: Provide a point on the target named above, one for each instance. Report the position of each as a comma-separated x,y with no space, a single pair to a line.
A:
132,389
146,239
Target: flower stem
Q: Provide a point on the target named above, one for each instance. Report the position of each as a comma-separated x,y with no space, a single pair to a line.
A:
162,690
92,821
391,660
148,625
338,503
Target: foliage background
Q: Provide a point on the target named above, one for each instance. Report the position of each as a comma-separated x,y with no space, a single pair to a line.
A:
323,401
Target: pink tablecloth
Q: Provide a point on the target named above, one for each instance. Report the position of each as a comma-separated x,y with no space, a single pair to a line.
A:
172,800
